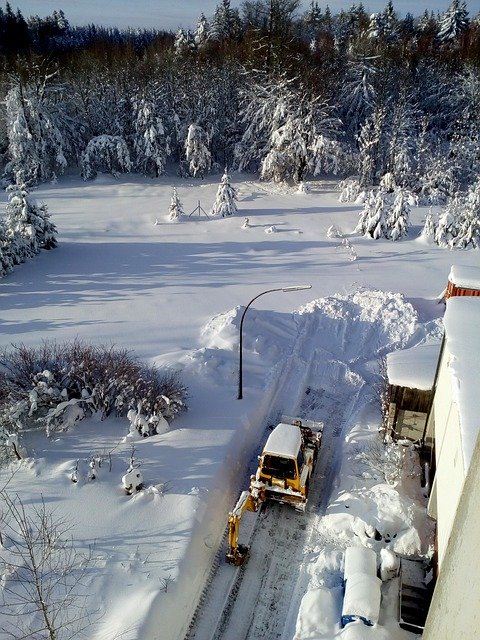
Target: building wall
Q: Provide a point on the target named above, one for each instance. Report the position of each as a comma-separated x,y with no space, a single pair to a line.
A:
450,472
455,608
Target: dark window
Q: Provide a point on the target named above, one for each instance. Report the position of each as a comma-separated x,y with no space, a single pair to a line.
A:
278,467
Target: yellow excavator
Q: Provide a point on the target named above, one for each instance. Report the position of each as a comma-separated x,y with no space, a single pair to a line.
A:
284,471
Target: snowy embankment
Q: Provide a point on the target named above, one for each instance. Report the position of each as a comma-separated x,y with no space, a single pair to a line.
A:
170,292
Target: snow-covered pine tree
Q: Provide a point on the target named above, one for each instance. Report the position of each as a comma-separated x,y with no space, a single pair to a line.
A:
149,142
196,151
428,230
289,131
398,221
6,258
224,204
225,23
28,225
447,228
469,228
108,154
459,225
183,44
36,145
358,96
371,148
374,217
200,36
175,210
403,133
453,22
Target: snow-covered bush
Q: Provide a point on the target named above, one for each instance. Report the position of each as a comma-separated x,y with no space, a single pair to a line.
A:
56,385
107,154
224,204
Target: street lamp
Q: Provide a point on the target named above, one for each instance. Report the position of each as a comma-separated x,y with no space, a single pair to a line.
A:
299,287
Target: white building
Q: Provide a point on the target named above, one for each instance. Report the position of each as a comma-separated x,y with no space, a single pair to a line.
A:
454,423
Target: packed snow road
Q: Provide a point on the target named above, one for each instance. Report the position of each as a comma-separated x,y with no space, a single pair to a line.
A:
326,378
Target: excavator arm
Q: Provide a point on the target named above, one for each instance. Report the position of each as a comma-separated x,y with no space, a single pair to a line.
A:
249,500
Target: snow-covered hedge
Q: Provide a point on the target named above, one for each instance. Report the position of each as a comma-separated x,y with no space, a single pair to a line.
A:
58,384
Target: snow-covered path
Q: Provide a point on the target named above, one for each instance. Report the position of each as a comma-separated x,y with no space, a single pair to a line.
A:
335,336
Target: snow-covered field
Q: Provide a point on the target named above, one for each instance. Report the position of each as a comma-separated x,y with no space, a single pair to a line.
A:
173,292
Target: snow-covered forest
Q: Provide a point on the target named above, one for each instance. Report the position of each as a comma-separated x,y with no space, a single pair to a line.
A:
390,102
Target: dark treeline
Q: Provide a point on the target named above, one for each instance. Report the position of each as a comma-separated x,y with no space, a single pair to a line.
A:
265,88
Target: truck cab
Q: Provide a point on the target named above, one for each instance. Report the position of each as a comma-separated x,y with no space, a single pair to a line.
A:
287,462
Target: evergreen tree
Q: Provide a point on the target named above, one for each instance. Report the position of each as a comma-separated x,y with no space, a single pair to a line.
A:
372,148
428,231
36,145
183,44
175,210
224,204
105,154
453,22
7,261
150,144
459,224
399,215
201,34
446,230
225,23
358,95
373,218
28,225
196,151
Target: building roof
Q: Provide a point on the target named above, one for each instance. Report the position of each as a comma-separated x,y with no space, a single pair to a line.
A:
462,323
414,368
285,440
465,277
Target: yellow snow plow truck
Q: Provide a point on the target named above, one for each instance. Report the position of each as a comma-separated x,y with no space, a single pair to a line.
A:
284,471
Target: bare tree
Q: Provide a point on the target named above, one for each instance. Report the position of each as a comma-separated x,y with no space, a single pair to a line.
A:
42,583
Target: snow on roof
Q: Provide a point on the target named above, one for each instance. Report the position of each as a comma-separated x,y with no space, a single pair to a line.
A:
414,368
467,277
462,322
285,440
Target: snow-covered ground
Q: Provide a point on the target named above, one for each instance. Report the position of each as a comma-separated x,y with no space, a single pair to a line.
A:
173,292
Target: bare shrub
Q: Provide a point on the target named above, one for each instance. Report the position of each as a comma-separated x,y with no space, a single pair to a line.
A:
42,588
380,460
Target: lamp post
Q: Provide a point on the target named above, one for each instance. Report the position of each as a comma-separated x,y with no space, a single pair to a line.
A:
299,287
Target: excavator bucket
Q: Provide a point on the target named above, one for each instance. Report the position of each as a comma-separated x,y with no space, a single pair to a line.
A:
237,556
